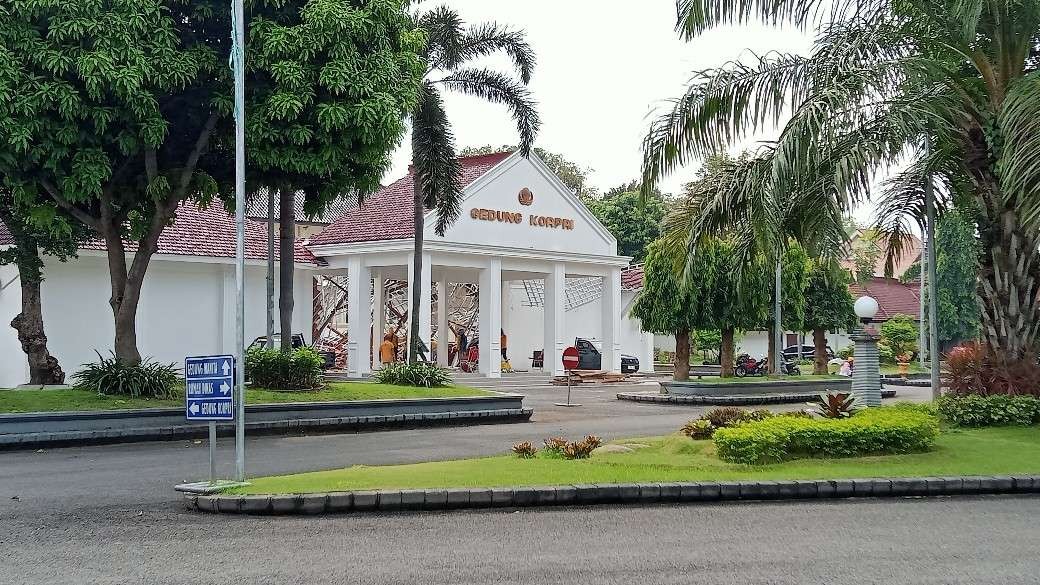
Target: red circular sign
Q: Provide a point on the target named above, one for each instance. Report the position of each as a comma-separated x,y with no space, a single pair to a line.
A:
570,358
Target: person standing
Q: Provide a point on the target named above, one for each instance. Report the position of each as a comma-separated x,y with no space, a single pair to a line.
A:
387,350
505,357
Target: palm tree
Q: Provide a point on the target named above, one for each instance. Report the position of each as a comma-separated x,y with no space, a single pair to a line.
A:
950,88
450,46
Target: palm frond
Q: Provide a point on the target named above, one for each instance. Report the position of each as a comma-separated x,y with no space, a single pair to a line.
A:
444,32
696,16
437,170
1020,166
486,39
498,88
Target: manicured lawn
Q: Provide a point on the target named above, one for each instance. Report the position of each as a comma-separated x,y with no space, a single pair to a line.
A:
894,369
12,401
989,451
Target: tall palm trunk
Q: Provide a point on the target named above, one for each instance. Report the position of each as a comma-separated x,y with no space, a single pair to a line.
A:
287,264
682,355
726,356
819,337
43,367
1008,286
771,349
415,284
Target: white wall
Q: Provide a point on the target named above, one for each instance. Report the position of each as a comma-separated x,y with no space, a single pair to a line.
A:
187,308
12,362
523,325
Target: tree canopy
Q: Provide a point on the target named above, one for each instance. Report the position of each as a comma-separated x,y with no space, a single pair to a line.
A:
635,225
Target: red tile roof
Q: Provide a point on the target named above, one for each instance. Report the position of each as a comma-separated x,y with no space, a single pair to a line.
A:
387,214
893,297
202,232
632,278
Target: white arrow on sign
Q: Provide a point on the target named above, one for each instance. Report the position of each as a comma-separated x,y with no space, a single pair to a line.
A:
225,388
226,367
194,408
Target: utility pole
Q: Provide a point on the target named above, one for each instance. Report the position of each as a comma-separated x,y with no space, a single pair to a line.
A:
933,321
270,270
238,49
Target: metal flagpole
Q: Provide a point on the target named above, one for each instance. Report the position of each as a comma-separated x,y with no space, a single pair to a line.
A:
933,315
238,62
922,323
270,270
778,331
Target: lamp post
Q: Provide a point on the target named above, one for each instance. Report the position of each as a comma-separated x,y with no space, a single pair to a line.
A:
866,373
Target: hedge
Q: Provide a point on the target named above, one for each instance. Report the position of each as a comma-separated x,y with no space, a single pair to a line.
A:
871,431
973,410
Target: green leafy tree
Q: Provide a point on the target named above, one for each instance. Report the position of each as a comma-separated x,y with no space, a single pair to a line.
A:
828,307
899,334
322,121
634,225
883,79
449,50
708,340
664,306
571,174
47,233
125,111
956,267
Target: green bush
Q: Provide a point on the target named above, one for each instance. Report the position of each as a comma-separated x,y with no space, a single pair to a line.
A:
973,410
299,369
847,351
417,374
110,376
698,429
871,431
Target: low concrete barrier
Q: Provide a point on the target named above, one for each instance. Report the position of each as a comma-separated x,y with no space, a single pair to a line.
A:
771,387
48,428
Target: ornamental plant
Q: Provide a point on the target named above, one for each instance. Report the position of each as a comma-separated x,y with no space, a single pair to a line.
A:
114,377
274,369
413,374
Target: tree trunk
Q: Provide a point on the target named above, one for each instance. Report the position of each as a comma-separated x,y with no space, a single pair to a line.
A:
286,264
726,354
125,296
43,367
819,337
682,355
771,349
1010,315
416,286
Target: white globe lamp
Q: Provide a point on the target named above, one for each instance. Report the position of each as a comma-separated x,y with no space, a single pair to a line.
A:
866,308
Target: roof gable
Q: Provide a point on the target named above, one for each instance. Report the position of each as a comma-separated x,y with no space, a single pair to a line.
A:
386,214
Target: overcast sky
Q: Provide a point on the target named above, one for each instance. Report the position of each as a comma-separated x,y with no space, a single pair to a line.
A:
603,67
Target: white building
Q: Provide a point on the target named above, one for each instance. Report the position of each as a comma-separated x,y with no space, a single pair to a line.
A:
547,272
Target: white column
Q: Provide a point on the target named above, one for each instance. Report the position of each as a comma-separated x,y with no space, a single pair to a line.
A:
424,283
491,319
555,316
378,315
611,318
646,361
358,318
444,335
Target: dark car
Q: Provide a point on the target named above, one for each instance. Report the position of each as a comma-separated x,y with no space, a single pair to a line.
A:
808,351
589,358
297,342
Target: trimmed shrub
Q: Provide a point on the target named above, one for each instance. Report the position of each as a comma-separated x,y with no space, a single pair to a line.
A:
973,410
525,450
113,377
868,432
973,369
299,369
418,374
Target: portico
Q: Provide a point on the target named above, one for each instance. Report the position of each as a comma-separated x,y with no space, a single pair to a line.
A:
520,229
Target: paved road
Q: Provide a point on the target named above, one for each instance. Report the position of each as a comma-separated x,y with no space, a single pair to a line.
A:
106,514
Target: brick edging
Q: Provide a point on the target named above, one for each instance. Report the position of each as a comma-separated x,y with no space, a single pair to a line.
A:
726,399
310,425
629,493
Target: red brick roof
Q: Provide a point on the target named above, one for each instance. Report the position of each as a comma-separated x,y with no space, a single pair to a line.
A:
387,214
201,232
632,278
893,297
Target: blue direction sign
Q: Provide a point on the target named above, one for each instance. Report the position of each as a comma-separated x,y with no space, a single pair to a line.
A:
209,387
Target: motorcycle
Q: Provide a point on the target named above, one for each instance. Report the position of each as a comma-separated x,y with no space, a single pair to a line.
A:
749,366
790,368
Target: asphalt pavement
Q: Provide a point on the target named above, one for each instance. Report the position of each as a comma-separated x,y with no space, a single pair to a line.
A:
107,514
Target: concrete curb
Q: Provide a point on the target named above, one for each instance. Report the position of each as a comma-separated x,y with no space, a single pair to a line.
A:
630,493
729,400
291,426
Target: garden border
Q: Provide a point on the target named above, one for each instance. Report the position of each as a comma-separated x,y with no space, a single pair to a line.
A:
728,400
39,429
626,493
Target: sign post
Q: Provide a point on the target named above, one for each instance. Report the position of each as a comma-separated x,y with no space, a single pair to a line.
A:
570,362
209,383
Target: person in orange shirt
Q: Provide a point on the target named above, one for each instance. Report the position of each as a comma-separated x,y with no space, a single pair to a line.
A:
503,339
387,351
